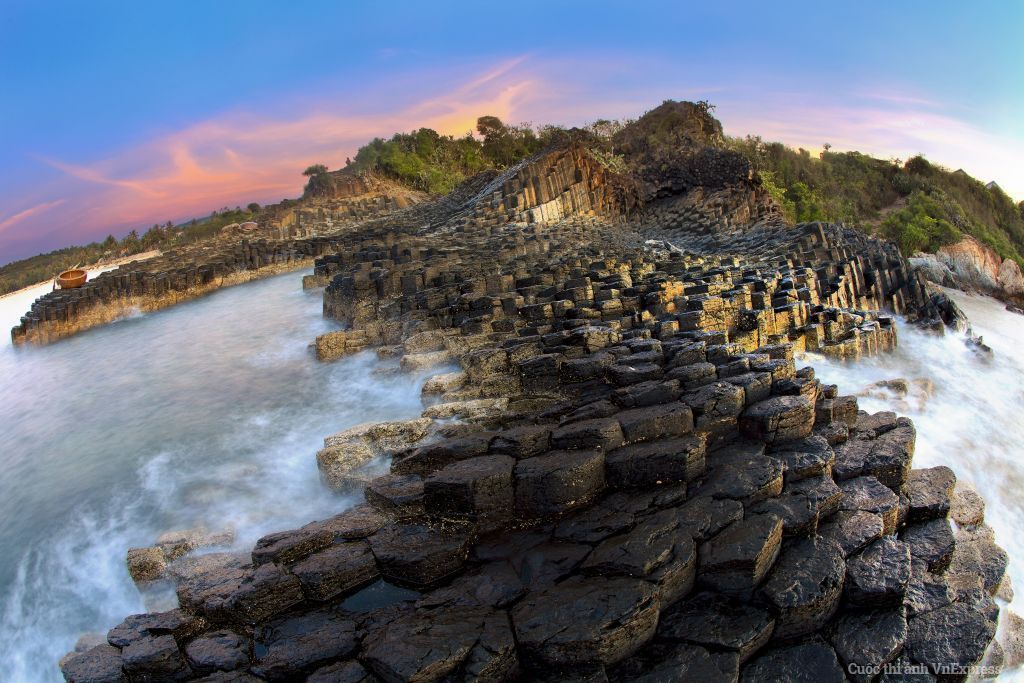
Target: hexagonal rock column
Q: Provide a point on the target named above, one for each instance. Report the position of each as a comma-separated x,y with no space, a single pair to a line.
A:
952,636
811,662
419,556
878,575
429,645
336,570
667,461
805,586
585,621
478,489
658,549
556,482
718,622
738,558
778,419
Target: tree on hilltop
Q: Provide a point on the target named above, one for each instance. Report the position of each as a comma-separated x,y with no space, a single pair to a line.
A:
315,169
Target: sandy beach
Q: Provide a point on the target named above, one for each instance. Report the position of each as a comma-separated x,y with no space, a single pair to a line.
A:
93,269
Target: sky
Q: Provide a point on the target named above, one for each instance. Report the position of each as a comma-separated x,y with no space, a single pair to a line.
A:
118,115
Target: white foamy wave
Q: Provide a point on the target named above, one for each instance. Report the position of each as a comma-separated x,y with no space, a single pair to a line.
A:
204,415
966,407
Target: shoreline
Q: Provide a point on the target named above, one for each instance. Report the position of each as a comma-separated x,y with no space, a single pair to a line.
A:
124,260
122,307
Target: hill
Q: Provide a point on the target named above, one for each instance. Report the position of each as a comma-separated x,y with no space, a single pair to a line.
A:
678,145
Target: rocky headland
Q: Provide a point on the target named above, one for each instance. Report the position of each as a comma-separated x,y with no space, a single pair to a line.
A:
620,474
973,267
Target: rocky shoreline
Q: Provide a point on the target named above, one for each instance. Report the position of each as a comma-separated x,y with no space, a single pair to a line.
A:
628,478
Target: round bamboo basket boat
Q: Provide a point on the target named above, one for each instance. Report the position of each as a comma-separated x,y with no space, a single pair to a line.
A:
70,279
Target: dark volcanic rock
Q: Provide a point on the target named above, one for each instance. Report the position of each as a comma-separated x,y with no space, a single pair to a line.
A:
640,551
582,621
602,433
336,570
557,482
869,495
705,516
496,584
802,504
926,591
419,556
667,461
930,492
548,563
932,542
478,489
100,664
289,546
953,636
522,442
718,622
866,641
400,495
342,672
683,662
812,662
298,645
805,458
210,580
738,558
887,457
742,475
175,622
270,591
156,658
778,419
610,515
431,645
357,522
654,422
658,549
852,530
218,651
878,575
805,586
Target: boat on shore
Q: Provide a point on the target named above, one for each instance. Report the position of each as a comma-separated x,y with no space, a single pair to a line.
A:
72,279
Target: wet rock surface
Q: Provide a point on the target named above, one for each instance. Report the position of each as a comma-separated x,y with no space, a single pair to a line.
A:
628,478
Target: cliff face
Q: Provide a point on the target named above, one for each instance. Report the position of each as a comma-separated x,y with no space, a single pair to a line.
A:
973,267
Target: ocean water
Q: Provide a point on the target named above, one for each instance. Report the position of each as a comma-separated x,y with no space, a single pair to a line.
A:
205,414
968,410
210,413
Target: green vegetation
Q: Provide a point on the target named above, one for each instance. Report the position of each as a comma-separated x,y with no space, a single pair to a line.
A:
922,225
423,159
18,274
435,163
917,204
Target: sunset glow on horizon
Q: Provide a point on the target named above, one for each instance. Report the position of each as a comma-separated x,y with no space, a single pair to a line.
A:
192,109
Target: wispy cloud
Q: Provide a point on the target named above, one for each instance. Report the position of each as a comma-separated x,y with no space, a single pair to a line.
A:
245,156
25,214
256,154
888,128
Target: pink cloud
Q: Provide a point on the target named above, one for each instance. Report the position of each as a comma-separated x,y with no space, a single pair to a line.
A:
25,214
244,156
885,127
257,155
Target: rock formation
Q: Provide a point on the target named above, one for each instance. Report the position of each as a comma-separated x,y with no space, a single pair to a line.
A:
973,267
628,478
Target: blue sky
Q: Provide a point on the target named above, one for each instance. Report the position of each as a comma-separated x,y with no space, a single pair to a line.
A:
117,115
